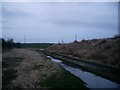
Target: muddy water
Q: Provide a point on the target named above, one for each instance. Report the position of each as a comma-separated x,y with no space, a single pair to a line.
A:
91,80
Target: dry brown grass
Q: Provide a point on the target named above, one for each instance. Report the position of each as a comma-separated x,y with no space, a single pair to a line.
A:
33,68
104,51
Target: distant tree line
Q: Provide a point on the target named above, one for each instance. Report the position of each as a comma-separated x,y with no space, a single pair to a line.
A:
10,44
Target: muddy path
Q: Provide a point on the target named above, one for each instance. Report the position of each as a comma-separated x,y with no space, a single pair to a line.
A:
104,71
91,80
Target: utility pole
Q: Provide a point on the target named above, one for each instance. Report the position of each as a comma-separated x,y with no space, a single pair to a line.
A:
62,41
119,19
75,37
24,39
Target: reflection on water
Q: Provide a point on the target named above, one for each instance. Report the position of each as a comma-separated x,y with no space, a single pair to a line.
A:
91,80
55,60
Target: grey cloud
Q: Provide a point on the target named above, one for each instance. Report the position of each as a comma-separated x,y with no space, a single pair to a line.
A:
90,24
93,15
58,20
6,13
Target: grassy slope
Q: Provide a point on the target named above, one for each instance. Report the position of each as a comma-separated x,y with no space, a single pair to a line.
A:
102,51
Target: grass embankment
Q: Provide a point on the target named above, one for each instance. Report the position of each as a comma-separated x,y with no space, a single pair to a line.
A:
102,51
23,68
111,75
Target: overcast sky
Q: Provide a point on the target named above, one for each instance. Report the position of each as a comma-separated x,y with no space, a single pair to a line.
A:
52,22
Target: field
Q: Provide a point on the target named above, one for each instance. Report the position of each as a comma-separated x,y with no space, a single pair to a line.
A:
36,45
26,68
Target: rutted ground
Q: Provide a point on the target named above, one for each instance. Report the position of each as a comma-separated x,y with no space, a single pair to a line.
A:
100,52
32,68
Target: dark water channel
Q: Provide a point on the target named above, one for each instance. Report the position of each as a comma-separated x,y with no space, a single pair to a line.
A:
91,80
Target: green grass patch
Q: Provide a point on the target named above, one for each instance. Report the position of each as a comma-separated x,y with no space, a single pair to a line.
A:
36,66
63,80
